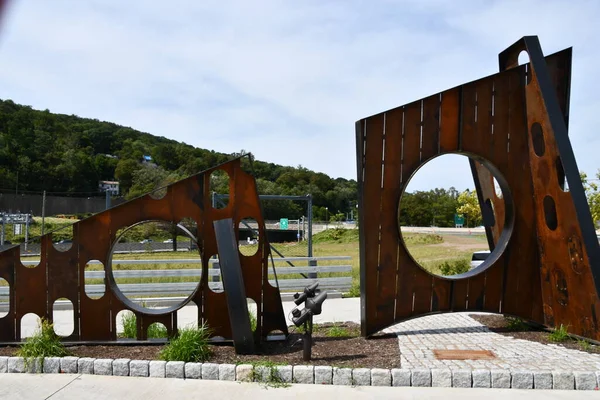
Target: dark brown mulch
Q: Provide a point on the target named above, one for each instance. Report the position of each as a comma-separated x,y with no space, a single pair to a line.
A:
499,324
350,350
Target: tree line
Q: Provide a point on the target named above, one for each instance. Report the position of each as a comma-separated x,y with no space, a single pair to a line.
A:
68,155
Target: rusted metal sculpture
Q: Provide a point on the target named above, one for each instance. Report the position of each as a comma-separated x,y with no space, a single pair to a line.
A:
545,266
61,274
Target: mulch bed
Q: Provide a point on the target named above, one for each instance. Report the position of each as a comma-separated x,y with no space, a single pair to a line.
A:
349,350
499,324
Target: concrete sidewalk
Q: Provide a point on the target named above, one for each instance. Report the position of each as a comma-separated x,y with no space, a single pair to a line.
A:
94,387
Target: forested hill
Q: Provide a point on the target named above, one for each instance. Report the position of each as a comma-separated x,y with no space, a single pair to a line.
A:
68,155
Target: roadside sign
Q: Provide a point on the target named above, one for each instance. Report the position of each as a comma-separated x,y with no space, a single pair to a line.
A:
459,219
18,228
283,223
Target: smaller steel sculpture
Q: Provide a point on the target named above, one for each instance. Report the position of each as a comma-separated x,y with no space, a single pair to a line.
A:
313,305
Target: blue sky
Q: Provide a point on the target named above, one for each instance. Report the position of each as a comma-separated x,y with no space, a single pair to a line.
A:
285,80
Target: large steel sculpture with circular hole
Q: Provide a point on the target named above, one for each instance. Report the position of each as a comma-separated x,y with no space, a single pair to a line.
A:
545,265
62,274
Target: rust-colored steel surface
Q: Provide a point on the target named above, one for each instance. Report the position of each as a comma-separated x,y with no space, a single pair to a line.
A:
61,274
545,263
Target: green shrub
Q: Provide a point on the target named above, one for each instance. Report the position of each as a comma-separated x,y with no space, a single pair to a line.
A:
157,331
129,325
252,319
190,345
44,343
455,267
559,334
516,324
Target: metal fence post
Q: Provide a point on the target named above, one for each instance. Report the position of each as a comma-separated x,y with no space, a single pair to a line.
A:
310,221
312,263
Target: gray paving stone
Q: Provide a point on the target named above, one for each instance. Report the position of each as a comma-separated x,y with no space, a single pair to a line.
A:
51,365
85,365
139,368
243,372
441,378
542,380
481,378
120,367
342,376
68,365
303,374
3,365
193,370
361,377
501,379
323,375
462,378
585,380
175,369
522,380
157,369
421,377
285,373
16,365
381,377
226,372
262,373
210,371
103,366
401,377
563,380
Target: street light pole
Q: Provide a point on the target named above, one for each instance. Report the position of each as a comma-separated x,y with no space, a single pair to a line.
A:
326,218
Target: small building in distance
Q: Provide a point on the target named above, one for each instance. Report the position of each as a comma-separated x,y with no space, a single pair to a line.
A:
109,186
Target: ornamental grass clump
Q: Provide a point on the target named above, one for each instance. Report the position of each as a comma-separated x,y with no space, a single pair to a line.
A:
190,345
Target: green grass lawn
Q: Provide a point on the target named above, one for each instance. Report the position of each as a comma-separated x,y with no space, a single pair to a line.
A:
428,250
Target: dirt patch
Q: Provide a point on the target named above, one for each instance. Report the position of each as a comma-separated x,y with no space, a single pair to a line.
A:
499,324
346,350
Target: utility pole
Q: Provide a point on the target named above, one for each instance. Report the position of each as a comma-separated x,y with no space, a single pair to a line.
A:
43,211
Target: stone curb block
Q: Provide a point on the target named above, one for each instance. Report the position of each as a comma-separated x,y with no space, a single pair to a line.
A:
157,369
361,377
323,375
120,367
243,372
210,371
226,372
381,377
174,369
139,368
285,373
542,380
585,380
401,377
303,374
103,366
3,365
342,376
51,365
522,380
308,374
563,380
85,365
441,378
68,365
193,370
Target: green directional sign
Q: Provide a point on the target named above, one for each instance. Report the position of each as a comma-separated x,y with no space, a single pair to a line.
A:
283,223
459,219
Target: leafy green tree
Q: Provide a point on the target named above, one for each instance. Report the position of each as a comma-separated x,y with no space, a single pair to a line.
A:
469,207
593,195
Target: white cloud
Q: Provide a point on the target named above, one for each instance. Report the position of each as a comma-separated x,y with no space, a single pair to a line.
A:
285,80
